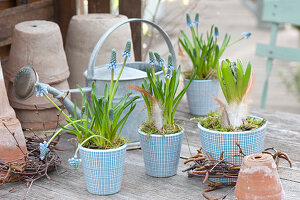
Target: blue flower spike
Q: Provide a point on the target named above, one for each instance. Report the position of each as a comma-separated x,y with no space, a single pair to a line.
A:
189,22
40,90
170,62
43,150
151,58
75,162
246,35
217,33
197,22
159,60
113,60
127,52
168,74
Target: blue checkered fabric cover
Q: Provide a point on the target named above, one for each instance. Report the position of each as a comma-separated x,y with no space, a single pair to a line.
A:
215,142
199,96
103,169
161,154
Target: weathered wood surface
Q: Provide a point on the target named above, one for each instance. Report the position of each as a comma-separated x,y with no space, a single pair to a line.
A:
283,133
42,10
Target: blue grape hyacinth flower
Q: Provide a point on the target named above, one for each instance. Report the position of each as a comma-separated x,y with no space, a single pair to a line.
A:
159,60
168,74
40,90
189,22
170,62
75,162
151,58
127,51
217,33
43,150
113,60
197,22
246,35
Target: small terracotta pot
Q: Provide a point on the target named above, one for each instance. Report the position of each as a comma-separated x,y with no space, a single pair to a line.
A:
83,33
5,109
38,43
258,179
41,102
45,120
9,152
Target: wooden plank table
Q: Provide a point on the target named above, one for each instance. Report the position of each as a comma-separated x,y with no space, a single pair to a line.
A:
283,133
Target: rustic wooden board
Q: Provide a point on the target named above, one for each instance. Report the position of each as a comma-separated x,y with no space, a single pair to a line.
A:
68,183
42,10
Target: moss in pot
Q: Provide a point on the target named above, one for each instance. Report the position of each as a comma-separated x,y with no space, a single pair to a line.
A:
221,130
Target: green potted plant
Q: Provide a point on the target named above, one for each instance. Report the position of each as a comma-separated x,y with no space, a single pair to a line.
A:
160,136
102,149
205,53
221,130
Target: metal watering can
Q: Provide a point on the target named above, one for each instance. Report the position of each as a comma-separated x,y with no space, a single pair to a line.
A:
27,79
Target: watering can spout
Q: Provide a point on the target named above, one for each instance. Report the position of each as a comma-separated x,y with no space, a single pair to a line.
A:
27,80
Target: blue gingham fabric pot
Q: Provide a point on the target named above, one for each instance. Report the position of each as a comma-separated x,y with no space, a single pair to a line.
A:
103,169
215,142
199,96
161,153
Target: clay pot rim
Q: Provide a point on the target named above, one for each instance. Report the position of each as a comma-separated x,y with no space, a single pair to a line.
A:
238,132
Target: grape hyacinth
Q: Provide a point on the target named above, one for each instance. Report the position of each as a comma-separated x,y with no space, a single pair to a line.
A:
40,90
43,150
75,162
168,74
217,33
246,35
197,22
113,61
170,62
127,51
159,60
189,22
151,58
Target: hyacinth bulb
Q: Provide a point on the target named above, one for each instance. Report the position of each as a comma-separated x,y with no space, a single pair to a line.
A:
235,84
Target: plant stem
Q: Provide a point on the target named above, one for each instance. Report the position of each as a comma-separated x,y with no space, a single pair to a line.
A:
116,85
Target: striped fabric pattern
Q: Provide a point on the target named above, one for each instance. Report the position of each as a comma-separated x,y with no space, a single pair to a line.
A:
103,169
161,153
216,142
199,96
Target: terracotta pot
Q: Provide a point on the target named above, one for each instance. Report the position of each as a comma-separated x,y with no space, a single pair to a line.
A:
258,179
83,34
9,152
45,119
41,102
38,43
5,109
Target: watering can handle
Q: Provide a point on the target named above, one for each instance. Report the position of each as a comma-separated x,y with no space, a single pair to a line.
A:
91,65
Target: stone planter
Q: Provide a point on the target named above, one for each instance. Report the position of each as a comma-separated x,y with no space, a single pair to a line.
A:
199,96
258,179
103,169
161,153
216,142
83,33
